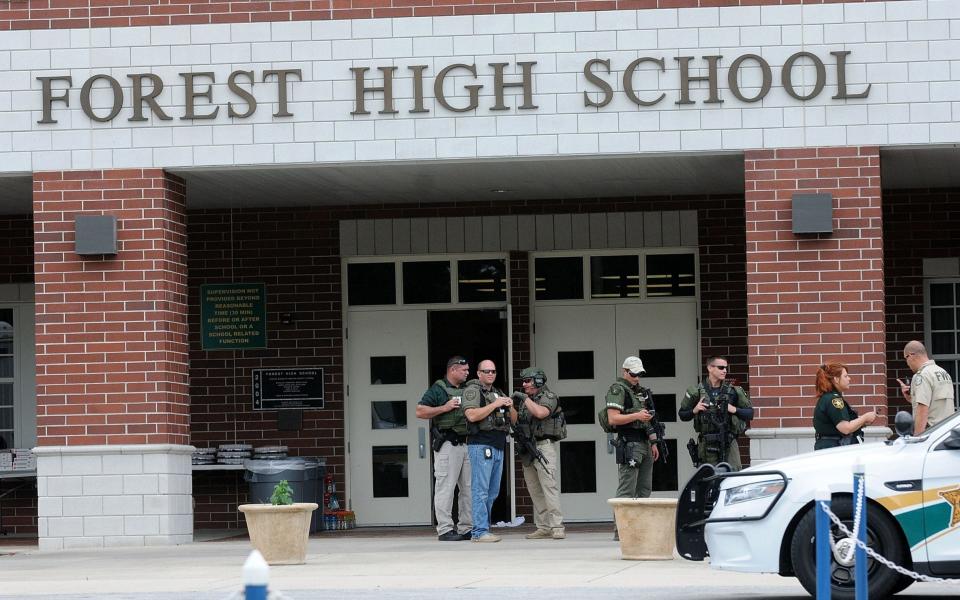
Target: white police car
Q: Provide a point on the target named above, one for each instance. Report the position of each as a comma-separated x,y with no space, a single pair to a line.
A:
762,518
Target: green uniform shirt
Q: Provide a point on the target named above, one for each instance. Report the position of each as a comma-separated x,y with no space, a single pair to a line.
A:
435,396
831,409
623,397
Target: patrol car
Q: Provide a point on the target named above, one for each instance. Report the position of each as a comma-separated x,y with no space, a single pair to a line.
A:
762,519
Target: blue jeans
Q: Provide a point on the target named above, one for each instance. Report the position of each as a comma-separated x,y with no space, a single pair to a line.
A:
484,484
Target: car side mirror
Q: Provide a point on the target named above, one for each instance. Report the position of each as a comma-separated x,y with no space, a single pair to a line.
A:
952,442
903,423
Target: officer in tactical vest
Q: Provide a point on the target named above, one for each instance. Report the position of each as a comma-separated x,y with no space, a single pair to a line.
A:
720,413
489,413
451,467
635,452
541,419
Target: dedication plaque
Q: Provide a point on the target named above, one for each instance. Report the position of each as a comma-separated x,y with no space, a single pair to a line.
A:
277,389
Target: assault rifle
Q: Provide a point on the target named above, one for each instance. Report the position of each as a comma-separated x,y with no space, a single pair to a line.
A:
658,427
527,445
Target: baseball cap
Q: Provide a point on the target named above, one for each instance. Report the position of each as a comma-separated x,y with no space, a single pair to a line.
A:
634,365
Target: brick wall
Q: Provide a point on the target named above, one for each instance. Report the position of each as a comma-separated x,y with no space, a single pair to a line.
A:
111,331
919,224
65,14
815,297
295,252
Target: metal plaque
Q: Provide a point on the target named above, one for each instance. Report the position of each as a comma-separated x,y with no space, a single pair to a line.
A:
277,389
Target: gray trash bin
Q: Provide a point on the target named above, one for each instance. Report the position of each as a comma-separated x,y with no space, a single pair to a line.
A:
303,475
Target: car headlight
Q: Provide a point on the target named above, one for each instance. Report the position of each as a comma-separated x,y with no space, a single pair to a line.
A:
753,491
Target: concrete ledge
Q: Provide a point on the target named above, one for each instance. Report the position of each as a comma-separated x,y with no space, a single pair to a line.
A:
771,443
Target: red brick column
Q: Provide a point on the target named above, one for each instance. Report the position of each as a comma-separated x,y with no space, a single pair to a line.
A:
111,333
813,298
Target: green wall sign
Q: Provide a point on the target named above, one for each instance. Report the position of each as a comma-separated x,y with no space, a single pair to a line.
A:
233,316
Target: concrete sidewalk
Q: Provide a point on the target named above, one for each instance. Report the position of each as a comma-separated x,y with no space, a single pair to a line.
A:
381,564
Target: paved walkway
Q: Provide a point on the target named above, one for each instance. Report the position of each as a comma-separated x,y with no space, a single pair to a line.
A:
377,563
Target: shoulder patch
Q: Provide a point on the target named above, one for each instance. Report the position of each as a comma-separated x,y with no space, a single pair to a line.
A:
837,403
615,390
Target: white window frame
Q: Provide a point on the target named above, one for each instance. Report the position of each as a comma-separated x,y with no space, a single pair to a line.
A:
928,329
24,375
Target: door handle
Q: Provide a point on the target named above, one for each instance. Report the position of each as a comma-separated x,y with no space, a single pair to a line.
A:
422,434
610,443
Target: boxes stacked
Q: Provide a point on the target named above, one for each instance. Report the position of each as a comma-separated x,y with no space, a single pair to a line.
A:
233,454
204,456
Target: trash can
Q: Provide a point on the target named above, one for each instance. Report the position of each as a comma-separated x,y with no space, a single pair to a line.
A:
303,474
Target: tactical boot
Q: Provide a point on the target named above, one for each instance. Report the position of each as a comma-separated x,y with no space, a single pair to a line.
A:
486,538
540,534
449,536
559,533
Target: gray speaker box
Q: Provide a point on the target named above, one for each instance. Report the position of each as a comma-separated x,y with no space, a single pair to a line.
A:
95,234
812,213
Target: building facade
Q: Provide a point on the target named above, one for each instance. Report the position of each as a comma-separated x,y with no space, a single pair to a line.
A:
390,183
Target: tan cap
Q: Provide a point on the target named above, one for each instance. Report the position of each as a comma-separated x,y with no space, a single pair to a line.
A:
634,365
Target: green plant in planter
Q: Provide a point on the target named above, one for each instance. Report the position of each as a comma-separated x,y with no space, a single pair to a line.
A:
282,494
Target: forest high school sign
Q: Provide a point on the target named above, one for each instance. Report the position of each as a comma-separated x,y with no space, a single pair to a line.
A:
200,103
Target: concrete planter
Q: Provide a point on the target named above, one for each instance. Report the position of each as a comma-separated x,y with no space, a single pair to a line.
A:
279,532
646,527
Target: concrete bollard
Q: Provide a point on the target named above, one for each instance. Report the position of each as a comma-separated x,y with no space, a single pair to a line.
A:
256,576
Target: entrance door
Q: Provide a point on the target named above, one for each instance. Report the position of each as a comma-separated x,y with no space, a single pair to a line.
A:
582,347
389,449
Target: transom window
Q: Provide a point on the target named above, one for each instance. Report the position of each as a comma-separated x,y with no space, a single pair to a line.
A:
418,281
600,277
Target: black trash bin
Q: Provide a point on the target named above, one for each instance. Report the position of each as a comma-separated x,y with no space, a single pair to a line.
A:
303,474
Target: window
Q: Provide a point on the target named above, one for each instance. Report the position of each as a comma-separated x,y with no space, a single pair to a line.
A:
558,278
388,370
426,282
670,275
660,362
578,410
7,421
615,276
371,284
481,280
575,365
943,325
388,414
578,467
390,472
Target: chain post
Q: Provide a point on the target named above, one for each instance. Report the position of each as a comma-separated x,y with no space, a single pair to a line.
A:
860,530
822,498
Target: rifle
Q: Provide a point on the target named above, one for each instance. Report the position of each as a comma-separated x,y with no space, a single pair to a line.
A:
527,445
659,429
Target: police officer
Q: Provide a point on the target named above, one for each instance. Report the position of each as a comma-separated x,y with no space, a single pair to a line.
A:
489,413
834,421
720,412
635,452
541,419
930,392
451,467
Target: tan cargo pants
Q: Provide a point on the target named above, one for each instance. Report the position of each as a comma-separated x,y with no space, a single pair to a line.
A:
544,488
451,467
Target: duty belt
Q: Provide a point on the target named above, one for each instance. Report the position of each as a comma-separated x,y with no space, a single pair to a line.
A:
823,436
453,437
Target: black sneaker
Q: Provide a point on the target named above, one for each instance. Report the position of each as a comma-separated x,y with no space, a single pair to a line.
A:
450,536
466,536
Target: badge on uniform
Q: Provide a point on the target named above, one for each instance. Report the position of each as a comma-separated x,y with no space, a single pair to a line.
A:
487,453
837,403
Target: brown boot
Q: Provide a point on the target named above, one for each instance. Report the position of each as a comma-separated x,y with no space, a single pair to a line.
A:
540,534
559,533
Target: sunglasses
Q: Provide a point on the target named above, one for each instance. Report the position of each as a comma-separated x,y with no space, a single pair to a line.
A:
721,367
462,361
526,380
632,374
487,371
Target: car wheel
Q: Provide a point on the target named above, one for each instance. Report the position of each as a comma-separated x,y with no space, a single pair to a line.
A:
882,536
903,583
